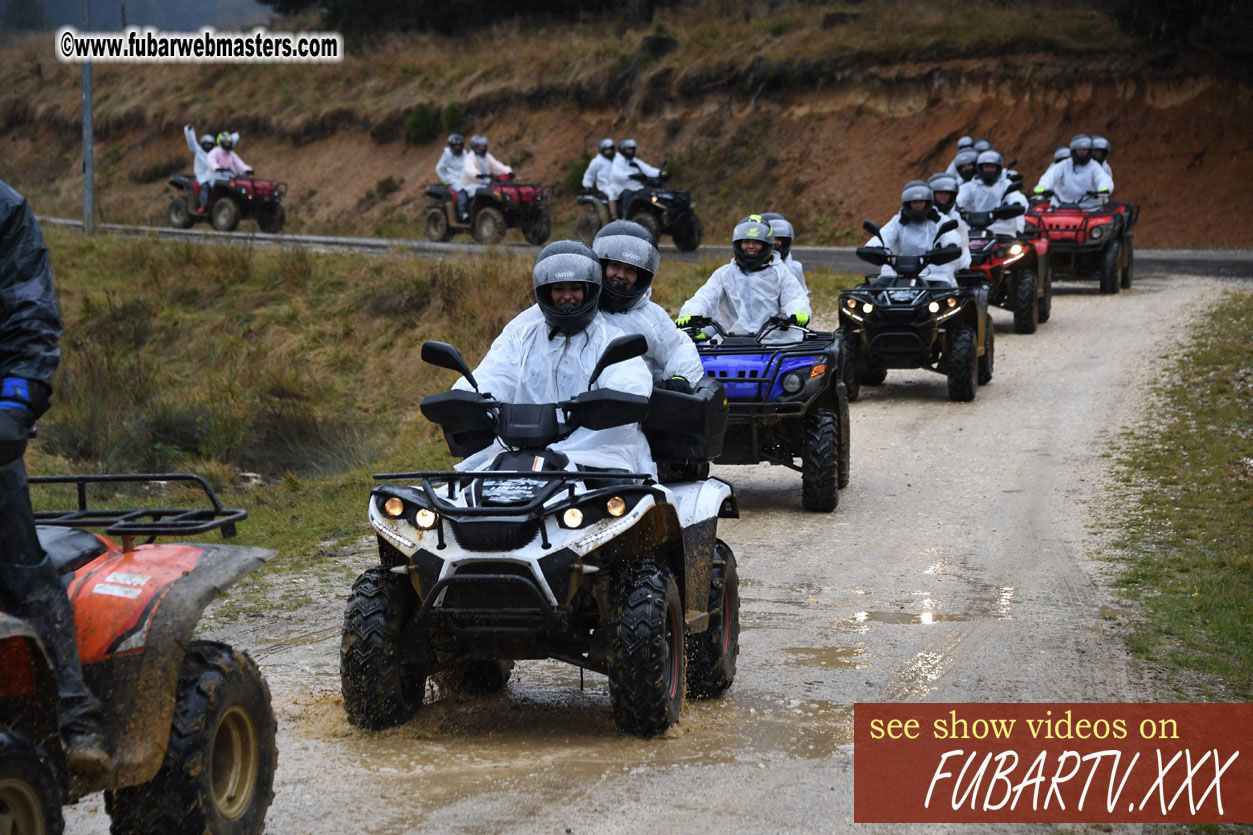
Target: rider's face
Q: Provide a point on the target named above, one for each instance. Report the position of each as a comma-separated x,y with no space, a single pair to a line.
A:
751,247
947,198
620,274
568,292
918,206
987,168
966,171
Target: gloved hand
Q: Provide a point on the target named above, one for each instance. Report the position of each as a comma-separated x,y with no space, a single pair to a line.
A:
683,320
21,402
800,318
1039,189
677,383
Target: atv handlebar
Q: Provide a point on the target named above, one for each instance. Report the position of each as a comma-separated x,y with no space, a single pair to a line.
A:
774,323
909,265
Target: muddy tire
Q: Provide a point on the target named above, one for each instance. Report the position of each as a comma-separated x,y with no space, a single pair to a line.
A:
379,691
961,365
477,677
820,432
489,225
586,225
1026,304
1110,273
711,654
218,772
1046,299
650,222
272,218
872,376
989,353
538,229
1129,263
436,224
646,662
688,235
848,365
224,215
178,212
844,454
30,799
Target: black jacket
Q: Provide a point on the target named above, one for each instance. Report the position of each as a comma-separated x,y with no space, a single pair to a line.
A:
30,322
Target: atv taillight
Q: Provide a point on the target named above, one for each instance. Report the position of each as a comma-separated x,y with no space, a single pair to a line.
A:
17,675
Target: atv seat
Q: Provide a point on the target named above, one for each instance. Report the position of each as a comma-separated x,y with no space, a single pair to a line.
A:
69,549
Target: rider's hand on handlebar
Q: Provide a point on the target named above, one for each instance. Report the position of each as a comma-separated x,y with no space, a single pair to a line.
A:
683,320
799,318
677,383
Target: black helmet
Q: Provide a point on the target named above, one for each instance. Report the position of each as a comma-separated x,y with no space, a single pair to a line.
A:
478,144
964,162
752,228
916,190
627,242
627,148
565,262
943,183
606,147
994,158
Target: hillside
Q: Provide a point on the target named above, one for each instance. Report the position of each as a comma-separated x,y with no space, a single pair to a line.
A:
819,112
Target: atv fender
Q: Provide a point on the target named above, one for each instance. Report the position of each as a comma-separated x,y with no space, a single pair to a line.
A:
181,181
136,676
28,689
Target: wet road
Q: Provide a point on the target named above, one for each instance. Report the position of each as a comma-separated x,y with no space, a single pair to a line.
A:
959,566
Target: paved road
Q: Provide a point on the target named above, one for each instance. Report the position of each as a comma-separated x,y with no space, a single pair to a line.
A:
1215,263
959,566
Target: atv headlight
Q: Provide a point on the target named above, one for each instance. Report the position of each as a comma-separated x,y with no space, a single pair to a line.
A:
573,517
867,308
851,303
934,307
426,519
1016,249
793,382
1098,232
393,507
616,506
952,301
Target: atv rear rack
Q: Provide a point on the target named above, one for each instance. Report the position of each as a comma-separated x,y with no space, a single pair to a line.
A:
146,521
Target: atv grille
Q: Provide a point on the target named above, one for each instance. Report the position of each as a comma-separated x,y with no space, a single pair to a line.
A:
473,590
482,535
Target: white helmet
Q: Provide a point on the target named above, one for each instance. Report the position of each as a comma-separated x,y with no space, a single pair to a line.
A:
627,148
1061,154
606,147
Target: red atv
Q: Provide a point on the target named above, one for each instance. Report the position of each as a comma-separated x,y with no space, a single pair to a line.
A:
188,721
240,198
1088,243
499,205
1016,267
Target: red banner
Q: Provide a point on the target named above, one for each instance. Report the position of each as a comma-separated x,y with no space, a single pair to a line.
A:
1054,763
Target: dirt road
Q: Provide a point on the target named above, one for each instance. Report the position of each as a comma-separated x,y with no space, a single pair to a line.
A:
959,566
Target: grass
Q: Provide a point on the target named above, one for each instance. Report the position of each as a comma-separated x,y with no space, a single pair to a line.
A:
1186,489
284,377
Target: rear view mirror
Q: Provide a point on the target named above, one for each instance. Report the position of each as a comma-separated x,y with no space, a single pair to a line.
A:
1008,211
1012,163
443,355
1016,185
946,227
876,255
871,227
620,350
944,255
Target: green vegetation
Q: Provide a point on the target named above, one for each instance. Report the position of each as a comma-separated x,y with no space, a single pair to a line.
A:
450,117
1185,491
284,377
421,125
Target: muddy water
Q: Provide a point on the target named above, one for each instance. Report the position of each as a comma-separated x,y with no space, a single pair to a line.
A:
957,567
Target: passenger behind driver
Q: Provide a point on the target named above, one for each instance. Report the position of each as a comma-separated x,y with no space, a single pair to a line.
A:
913,231
480,167
204,173
963,165
224,163
784,236
630,262
624,177
745,294
1100,153
962,144
600,170
547,354
1077,180
944,190
990,190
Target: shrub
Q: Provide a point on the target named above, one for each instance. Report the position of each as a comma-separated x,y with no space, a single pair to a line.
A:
451,116
421,124
573,181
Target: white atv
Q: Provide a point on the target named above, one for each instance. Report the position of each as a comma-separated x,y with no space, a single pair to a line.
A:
609,571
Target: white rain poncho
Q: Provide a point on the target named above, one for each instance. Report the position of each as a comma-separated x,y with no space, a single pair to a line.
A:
796,267
671,352
450,167
977,196
1069,183
525,366
742,302
963,232
203,172
598,173
915,239
621,171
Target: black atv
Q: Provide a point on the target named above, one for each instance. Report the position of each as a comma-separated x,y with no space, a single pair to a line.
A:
660,210
906,321
787,402
610,571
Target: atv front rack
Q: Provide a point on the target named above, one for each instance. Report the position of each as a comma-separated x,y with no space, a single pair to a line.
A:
454,477
146,521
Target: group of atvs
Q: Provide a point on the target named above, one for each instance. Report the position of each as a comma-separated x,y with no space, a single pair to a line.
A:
615,572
